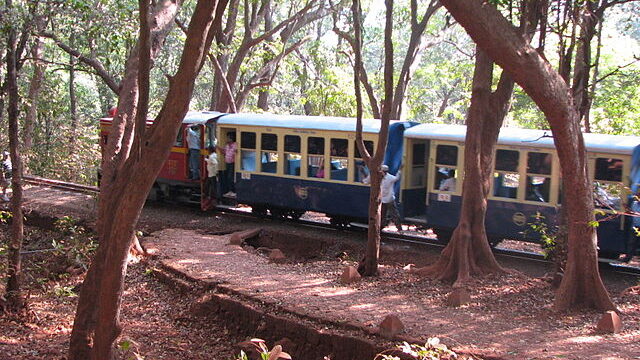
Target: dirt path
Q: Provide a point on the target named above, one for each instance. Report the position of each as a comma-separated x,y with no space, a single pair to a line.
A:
509,317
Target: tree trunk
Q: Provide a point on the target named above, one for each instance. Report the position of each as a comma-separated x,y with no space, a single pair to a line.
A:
35,85
468,253
135,179
369,264
581,284
15,298
117,148
73,108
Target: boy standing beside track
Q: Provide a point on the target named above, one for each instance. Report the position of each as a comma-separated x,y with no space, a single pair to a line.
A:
211,184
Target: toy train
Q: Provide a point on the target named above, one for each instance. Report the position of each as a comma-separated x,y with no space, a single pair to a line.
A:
279,168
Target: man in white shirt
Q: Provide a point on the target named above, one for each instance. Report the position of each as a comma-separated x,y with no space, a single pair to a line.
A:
388,198
193,142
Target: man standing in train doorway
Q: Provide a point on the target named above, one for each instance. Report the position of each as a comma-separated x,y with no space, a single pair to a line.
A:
193,142
229,151
388,197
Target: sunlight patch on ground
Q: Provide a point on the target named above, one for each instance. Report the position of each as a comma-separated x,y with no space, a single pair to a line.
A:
8,340
189,261
217,253
585,339
363,306
339,292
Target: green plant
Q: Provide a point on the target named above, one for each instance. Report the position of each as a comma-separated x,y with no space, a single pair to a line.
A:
265,353
64,291
431,350
547,235
77,245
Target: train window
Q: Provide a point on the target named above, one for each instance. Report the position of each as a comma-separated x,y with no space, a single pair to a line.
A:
248,153
292,143
105,138
539,163
361,174
339,161
506,178
339,147
247,140
292,155
608,169
315,146
447,155
418,162
210,135
507,160
418,152
445,170
269,154
367,145
315,149
538,186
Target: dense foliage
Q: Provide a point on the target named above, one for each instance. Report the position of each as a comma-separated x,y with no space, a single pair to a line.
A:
315,78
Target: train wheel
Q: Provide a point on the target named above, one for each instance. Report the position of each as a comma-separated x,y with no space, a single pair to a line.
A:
494,241
259,210
339,222
277,213
444,235
295,214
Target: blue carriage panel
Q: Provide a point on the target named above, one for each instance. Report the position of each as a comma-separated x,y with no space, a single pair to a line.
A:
443,214
612,237
413,202
514,220
307,195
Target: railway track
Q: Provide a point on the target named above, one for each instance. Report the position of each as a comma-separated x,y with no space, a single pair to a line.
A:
62,185
414,238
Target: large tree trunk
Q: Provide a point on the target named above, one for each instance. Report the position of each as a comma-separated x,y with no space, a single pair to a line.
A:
15,298
136,177
581,284
468,253
117,149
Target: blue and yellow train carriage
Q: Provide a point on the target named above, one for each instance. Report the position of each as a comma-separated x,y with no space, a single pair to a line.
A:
526,181
292,164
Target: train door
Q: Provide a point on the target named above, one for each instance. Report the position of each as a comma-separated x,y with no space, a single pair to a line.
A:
415,183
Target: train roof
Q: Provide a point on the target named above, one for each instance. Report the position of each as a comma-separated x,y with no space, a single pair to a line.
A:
282,121
300,122
605,143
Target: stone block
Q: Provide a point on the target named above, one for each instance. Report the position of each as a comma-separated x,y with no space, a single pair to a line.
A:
391,326
609,323
350,275
237,238
458,297
277,256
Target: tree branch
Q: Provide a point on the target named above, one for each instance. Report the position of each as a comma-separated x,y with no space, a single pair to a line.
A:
95,64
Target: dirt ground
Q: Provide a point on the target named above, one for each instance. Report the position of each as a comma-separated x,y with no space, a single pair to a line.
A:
509,317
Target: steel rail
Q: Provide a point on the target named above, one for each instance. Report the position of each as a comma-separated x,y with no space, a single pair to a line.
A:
63,185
